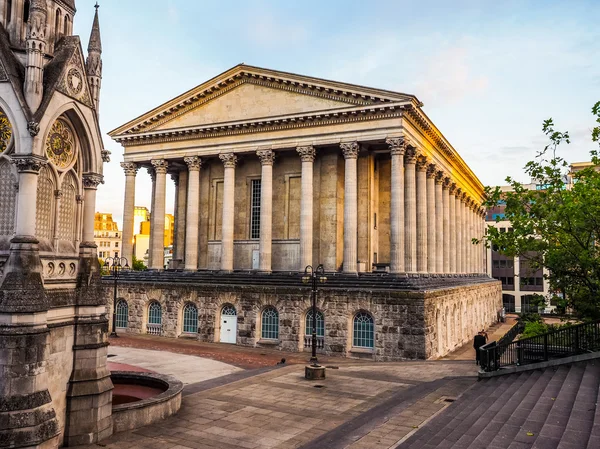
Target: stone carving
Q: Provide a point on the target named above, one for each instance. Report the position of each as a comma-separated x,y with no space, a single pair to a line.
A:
411,155
8,199
28,164
307,153
452,188
130,168
74,81
229,159
5,131
60,145
160,165
105,156
92,180
3,75
431,170
67,209
439,177
33,128
447,182
350,149
421,163
267,157
397,145
36,25
193,162
44,218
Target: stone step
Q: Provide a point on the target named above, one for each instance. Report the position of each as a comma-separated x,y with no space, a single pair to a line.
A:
594,441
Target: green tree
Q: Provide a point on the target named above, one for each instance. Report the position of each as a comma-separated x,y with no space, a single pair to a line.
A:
557,226
137,265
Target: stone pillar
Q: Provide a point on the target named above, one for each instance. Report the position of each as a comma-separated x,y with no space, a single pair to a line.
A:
421,181
192,213
350,207
459,230
57,201
266,209
229,162
307,155
397,149
27,418
472,248
181,219
153,180
431,220
175,179
468,243
439,223
452,227
91,181
157,229
465,235
446,224
130,169
410,211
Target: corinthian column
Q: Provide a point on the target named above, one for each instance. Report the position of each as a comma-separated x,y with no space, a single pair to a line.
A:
459,230
152,174
421,176
397,150
410,212
469,228
452,236
307,155
431,220
350,206
446,224
465,235
181,220
157,230
229,161
439,223
130,169
191,216
266,209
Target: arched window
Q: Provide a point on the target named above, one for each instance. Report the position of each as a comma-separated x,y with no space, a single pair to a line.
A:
190,318
8,198
66,29
57,24
68,206
270,324
363,335
44,220
320,324
122,314
9,11
26,11
154,326
228,310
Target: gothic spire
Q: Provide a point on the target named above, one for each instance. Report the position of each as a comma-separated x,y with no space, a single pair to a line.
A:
93,64
35,43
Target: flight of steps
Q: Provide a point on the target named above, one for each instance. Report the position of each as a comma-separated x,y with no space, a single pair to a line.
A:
553,408
364,281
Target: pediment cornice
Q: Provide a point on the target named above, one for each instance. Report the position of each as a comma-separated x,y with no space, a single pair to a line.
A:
345,93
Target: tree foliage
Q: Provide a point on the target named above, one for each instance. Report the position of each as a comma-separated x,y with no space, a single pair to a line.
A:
557,226
137,265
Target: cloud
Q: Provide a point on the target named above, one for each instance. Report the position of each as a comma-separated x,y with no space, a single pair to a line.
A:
268,30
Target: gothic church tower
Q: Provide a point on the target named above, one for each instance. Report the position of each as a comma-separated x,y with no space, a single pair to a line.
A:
54,332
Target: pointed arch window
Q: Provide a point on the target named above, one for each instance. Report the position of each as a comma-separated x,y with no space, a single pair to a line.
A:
68,204
44,218
57,24
66,28
190,319
8,198
9,10
26,11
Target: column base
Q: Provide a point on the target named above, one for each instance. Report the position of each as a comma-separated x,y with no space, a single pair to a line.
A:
314,372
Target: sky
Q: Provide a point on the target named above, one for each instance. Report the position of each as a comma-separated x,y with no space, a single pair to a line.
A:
488,72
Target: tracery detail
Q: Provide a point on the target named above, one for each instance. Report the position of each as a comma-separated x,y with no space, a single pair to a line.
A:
45,201
67,209
60,144
5,131
8,196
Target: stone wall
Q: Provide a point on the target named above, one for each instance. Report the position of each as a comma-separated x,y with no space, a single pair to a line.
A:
405,322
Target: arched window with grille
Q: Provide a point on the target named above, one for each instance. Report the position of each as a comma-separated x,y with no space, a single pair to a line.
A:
154,325
190,319
270,324
320,324
122,314
363,331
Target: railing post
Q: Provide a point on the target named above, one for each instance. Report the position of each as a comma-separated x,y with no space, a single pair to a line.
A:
519,353
576,349
546,347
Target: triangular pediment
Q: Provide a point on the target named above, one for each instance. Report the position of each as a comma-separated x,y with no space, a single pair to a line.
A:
73,80
246,93
248,101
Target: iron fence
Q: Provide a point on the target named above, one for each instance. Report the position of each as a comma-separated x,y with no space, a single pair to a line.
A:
564,342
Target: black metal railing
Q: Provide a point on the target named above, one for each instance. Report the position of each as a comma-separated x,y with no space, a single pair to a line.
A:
565,342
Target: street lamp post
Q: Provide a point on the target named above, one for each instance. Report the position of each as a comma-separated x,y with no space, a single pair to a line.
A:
114,265
314,275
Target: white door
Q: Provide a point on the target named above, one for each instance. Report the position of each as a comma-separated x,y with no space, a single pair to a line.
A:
228,325
255,258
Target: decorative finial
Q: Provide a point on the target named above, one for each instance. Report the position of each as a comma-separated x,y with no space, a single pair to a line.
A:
96,6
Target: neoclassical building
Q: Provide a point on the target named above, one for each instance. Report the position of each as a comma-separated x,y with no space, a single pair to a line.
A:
276,171
54,384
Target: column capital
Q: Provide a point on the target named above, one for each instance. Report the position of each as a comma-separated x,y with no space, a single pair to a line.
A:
431,170
58,193
193,162
458,192
229,160
452,188
411,155
130,168
92,180
350,149
421,162
160,166
397,145
267,157
464,197
307,153
28,163
447,182
439,177
105,155
79,199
